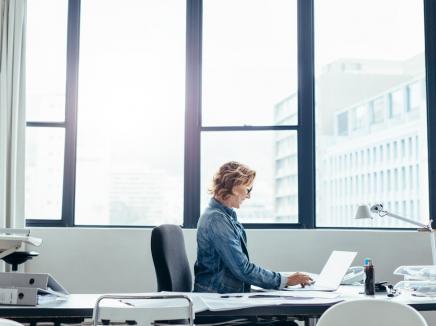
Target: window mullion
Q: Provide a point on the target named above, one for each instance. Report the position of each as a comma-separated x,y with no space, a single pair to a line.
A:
192,113
72,75
306,139
430,65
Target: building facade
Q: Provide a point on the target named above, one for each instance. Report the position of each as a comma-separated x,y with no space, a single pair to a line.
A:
370,144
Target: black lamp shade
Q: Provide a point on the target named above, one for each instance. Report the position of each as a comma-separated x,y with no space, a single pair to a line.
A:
18,257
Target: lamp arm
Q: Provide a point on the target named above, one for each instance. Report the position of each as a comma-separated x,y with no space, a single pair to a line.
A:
424,226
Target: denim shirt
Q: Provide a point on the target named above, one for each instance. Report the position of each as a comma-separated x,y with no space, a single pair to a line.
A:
223,264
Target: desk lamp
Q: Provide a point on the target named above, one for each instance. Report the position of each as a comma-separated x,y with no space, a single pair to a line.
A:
11,240
364,211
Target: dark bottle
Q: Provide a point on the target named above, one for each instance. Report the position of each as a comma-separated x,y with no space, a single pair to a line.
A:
369,277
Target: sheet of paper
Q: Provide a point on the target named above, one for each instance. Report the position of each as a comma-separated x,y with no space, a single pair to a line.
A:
196,298
229,301
219,304
304,294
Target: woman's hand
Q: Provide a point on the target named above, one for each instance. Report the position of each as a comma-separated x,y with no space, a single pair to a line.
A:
299,278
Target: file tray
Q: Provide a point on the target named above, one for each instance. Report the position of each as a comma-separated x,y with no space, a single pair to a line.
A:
22,296
24,288
417,273
418,288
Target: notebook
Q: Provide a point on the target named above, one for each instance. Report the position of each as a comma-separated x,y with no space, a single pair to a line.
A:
332,273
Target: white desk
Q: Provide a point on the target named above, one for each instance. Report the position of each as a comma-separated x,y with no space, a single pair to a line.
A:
80,306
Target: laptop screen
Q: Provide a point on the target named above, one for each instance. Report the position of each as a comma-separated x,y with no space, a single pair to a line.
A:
334,270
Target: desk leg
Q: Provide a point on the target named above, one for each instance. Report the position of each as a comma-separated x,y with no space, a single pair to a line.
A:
310,321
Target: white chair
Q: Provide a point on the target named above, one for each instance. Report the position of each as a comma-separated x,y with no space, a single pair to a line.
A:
367,312
8,322
143,309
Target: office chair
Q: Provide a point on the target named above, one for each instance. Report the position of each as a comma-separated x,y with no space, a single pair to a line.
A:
142,310
366,312
173,273
170,260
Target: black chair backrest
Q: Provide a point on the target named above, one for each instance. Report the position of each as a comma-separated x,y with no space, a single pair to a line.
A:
170,259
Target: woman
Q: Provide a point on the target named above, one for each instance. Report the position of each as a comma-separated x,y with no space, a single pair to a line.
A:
223,263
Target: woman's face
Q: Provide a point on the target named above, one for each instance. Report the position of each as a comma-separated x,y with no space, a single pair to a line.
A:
240,193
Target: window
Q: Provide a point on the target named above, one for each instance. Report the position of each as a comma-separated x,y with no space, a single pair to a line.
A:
342,121
388,152
369,182
395,189
286,111
168,93
411,184
253,82
410,146
357,184
249,70
45,64
382,181
274,198
45,108
44,172
404,208
130,171
385,74
403,178
358,115
412,209
375,181
415,96
403,148
396,103
378,110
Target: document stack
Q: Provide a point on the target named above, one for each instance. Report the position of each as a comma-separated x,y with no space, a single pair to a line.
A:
28,289
418,280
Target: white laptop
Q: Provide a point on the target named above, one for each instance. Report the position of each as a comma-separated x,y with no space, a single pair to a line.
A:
332,273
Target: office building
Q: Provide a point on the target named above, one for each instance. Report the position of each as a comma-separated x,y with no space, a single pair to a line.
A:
368,147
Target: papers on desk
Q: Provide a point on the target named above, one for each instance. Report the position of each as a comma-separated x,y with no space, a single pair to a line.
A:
219,302
230,301
49,298
197,301
249,300
305,294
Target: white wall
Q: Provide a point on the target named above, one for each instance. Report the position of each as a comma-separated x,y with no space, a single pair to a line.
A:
89,260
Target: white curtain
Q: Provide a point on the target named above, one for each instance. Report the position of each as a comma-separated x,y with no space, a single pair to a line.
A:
12,111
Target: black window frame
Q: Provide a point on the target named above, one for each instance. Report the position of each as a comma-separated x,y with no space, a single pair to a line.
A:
194,129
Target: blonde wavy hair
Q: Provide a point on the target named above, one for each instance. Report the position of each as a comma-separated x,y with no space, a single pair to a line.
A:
229,175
